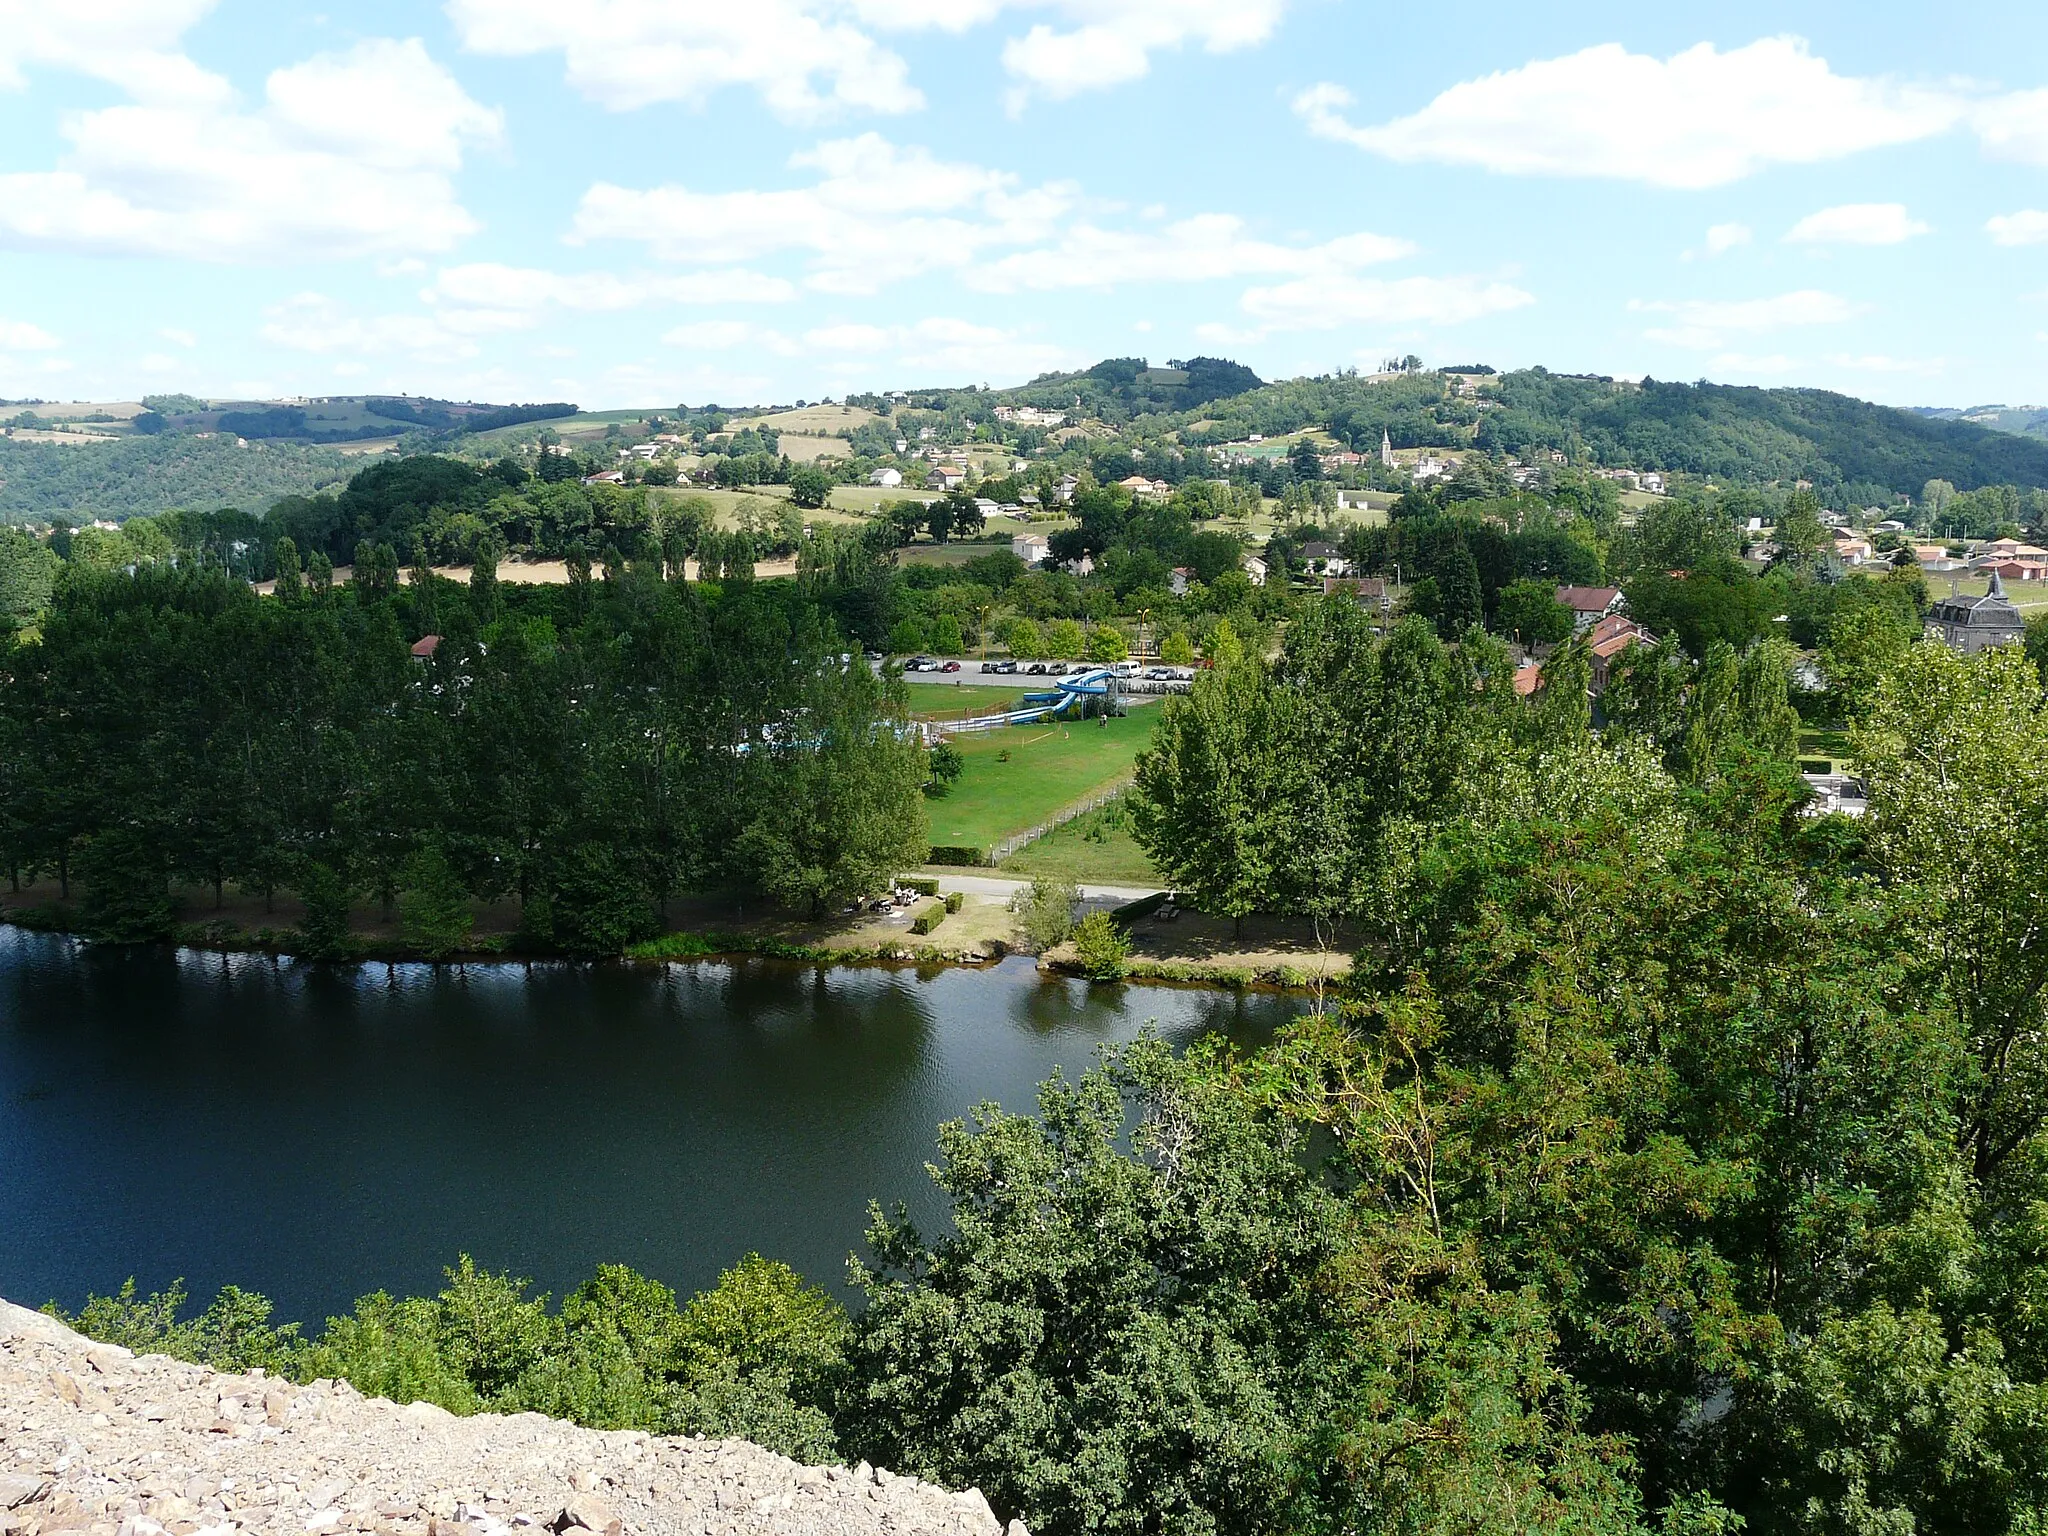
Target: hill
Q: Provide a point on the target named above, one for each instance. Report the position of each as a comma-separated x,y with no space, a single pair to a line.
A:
2026,420
134,476
1122,388
346,418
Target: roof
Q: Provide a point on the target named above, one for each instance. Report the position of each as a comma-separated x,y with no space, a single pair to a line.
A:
1528,679
1320,551
1588,599
426,645
1991,611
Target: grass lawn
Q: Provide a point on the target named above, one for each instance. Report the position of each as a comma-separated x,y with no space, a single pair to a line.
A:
951,700
1049,766
1096,849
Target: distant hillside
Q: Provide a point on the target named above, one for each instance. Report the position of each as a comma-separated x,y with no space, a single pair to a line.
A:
345,418
141,475
1121,388
2026,420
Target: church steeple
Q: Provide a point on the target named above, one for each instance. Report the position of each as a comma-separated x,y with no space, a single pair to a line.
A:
1386,449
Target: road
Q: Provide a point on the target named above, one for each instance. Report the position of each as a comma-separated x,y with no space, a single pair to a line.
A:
1001,889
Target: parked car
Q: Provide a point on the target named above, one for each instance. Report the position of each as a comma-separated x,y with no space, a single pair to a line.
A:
1007,668
1036,669
951,666
1055,669
988,667
1125,669
1158,674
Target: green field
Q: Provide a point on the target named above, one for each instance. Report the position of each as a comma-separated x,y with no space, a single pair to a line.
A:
1096,848
1049,766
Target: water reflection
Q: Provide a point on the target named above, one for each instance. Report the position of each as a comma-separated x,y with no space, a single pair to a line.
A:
319,1132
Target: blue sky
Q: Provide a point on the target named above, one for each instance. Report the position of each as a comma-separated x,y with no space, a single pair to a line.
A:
644,202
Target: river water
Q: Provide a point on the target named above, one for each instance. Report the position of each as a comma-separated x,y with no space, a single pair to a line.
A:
317,1133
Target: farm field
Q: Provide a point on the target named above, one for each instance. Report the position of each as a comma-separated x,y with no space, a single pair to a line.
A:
1048,766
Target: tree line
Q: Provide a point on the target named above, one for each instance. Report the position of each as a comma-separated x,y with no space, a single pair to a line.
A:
593,750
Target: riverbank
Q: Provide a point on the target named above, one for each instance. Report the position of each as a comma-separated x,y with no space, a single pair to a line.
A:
969,924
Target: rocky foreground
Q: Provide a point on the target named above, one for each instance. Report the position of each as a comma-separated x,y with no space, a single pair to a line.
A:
102,1442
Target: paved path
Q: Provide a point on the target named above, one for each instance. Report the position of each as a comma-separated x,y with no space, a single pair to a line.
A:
1003,889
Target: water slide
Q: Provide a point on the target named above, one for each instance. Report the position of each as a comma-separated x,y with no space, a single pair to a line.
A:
1093,683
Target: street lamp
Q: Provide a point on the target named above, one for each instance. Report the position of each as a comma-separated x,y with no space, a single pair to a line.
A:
1143,615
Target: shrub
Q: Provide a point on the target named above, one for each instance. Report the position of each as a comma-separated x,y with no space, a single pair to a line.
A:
924,885
928,919
954,901
1047,910
1102,947
953,856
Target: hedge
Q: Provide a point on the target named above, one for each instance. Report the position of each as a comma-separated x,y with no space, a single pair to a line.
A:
924,885
954,901
953,855
929,919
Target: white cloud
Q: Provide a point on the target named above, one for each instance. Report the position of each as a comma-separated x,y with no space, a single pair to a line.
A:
1722,238
2029,226
1701,118
488,296
877,213
313,322
131,44
20,336
181,338
1329,300
1858,224
1705,324
712,335
1775,365
2015,127
809,59
629,53
1200,249
313,176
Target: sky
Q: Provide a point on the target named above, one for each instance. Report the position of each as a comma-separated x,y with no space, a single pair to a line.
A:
661,202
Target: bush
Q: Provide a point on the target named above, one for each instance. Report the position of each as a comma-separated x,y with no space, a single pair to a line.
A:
954,901
1102,947
924,885
953,856
1047,910
928,919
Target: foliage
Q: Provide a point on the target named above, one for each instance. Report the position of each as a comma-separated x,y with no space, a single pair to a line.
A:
1101,947
135,476
1047,910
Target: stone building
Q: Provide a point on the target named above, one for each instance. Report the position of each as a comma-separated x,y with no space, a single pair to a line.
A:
1973,624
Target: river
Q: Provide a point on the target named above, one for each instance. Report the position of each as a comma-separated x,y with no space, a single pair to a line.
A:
316,1133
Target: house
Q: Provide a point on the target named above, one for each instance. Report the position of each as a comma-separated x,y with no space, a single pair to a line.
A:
945,477
1851,551
1177,580
1890,525
903,445
423,649
1370,590
1255,568
887,478
2015,570
1652,482
1064,491
1528,678
1973,624
1607,639
1324,559
1430,467
2013,549
609,477
1139,486
986,507
1589,605
1031,548
1085,566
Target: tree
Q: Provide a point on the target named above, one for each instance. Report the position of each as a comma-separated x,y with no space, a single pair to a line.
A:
946,766
324,932
1531,613
809,486
1024,640
1101,947
1063,638
1176,650
433,906
1107,645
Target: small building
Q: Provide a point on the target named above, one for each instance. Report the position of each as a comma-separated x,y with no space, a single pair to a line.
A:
2015,570
1370,590
1324,559
945,477
423,648
1031,548
1255,568
2013,549
886,478
1589,605
1973,624
1651,481
1607,640
1178,579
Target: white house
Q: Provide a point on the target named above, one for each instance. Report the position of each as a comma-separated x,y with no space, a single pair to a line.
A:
945,477
1255,568
1031,548
1652,482
886,477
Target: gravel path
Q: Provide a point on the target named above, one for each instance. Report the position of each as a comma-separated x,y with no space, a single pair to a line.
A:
101,1442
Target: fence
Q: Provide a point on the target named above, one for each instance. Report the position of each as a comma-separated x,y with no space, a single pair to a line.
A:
1058,819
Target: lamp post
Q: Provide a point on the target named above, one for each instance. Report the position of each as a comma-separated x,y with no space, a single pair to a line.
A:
1143,615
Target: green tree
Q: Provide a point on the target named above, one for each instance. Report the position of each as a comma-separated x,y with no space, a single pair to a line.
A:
1064,639
809,486
1101,947
1530,612
433,906
1107,645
